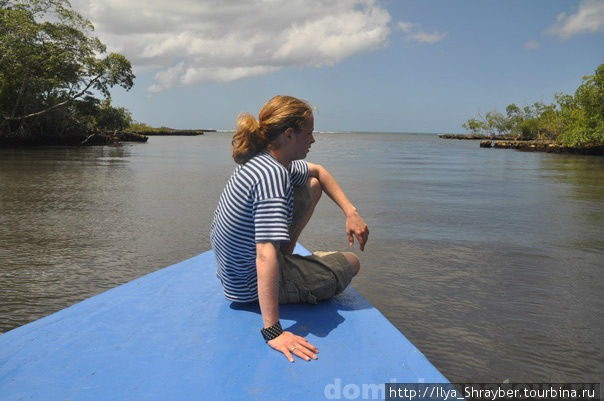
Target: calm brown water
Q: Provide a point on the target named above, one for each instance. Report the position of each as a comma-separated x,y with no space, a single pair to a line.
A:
490,261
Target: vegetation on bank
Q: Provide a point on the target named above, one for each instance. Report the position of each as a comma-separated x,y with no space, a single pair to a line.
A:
571,121
51,67
144,129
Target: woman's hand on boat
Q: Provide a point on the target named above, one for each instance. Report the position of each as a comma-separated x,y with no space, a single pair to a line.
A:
288,343
356,225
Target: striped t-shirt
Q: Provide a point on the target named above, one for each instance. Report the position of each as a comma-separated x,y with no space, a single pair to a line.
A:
256,206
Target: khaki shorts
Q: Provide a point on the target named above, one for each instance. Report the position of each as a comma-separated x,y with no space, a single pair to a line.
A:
309,279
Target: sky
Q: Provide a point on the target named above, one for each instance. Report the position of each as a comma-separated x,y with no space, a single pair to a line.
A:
364,65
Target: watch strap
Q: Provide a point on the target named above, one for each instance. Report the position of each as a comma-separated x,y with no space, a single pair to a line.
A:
272,332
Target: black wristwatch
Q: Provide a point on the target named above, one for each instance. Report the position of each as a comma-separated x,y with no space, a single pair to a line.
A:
272,332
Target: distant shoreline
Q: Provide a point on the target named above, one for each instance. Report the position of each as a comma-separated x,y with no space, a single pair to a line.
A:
96,137
548,146
175,132
475,136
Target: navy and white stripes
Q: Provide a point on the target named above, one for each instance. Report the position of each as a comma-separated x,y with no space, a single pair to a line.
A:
256,206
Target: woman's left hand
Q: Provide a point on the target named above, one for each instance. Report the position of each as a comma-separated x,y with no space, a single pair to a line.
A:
355,225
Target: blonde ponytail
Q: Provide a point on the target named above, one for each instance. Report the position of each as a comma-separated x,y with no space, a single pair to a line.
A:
248,139
276,116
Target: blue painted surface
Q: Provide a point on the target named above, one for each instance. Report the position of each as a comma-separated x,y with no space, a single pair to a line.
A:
171,335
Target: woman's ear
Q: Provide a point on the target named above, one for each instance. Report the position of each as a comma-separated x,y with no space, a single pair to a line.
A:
288,135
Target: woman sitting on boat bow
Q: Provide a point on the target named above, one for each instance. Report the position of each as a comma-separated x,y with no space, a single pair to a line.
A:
264,207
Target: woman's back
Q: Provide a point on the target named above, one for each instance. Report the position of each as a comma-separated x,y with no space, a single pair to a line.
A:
255,206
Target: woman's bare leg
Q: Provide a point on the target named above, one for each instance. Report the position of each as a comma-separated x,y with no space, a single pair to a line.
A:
305,200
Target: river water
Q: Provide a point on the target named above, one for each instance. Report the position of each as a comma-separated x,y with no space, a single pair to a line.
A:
490,261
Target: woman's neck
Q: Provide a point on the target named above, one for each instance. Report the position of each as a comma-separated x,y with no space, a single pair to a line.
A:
280,157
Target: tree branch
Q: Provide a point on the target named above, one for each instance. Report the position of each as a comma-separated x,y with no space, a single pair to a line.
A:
87,138
56,105
19,96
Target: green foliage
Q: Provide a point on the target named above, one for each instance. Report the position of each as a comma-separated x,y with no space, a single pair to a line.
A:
49,65
583,114
112,118
474,125
590,96
496,122
572,120
101,115
529,129
139,127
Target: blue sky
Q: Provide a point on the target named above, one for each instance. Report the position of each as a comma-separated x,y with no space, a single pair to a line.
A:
399,66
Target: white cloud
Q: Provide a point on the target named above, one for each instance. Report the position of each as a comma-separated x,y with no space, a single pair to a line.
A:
193,41
414,34
531,44
405,26
424,37
588,18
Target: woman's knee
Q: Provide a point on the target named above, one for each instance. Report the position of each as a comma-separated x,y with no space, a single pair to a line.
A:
354,262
